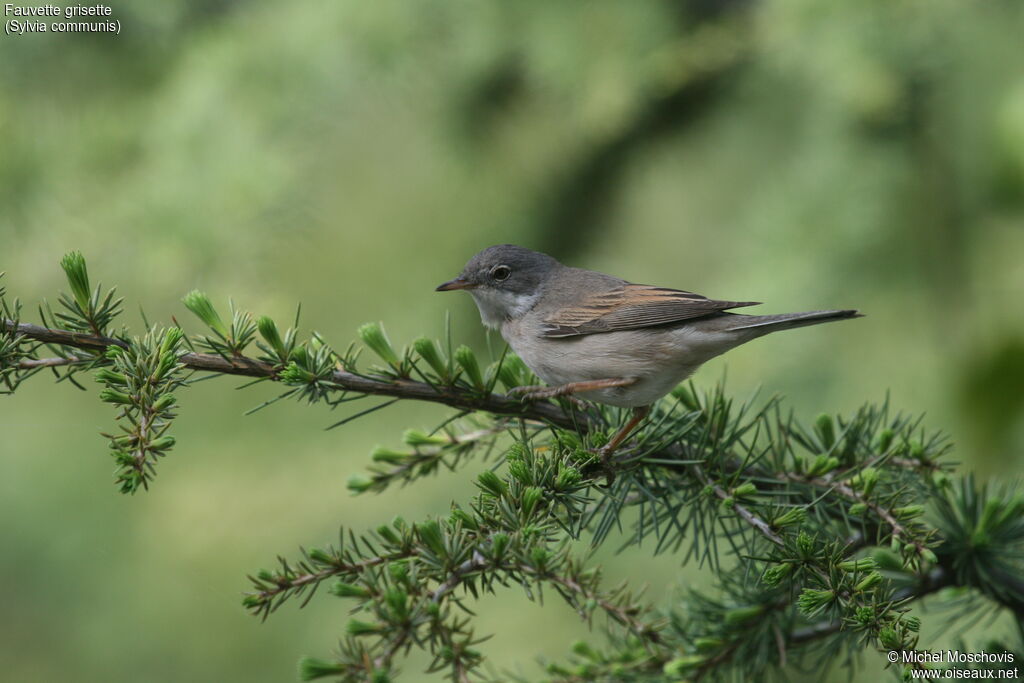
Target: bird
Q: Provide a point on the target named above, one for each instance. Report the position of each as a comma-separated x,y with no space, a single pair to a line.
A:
601,338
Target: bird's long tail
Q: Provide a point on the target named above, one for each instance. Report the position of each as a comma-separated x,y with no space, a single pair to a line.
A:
786,321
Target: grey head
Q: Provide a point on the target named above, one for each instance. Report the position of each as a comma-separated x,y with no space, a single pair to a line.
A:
506,281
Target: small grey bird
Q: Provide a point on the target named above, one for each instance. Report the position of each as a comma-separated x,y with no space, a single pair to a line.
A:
605,339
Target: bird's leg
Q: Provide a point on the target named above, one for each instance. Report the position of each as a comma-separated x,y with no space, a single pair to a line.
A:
535,393
638,415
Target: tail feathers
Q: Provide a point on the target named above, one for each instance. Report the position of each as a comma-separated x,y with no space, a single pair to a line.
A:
786,321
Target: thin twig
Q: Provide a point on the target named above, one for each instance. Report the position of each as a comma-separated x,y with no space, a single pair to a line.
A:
474,563
621,615
33,363
898,530
746,515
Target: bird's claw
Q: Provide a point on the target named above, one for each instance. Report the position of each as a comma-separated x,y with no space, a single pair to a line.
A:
539,393
579,403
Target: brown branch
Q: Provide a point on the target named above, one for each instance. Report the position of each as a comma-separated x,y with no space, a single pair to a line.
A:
78,340
399,388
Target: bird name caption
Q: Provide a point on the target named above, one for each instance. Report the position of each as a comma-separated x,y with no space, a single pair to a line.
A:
21,20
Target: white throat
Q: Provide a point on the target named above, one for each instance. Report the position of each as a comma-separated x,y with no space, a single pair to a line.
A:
497,306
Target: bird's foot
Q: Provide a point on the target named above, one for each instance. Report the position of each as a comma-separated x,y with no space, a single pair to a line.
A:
536,392
604,454
539,393
578,403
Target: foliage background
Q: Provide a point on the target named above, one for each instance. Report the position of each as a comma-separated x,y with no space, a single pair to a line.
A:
353,155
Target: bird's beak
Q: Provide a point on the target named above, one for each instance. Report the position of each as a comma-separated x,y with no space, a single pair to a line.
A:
457,283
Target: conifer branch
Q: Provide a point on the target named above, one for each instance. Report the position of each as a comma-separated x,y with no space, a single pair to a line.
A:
828,525
343,380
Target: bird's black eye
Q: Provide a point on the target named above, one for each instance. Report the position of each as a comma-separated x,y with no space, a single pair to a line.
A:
500,273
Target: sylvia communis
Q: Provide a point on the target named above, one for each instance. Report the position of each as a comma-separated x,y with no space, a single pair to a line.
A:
605,339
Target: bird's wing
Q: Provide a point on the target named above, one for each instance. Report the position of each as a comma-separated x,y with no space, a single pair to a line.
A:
630,306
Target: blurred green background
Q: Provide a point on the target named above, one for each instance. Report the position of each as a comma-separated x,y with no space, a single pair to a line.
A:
352,155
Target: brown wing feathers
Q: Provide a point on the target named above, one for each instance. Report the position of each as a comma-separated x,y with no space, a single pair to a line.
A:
633,306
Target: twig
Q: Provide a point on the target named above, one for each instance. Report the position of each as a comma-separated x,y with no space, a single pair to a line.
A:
749,517
33,363
620,615
474,563
843,489
283,584
937,579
